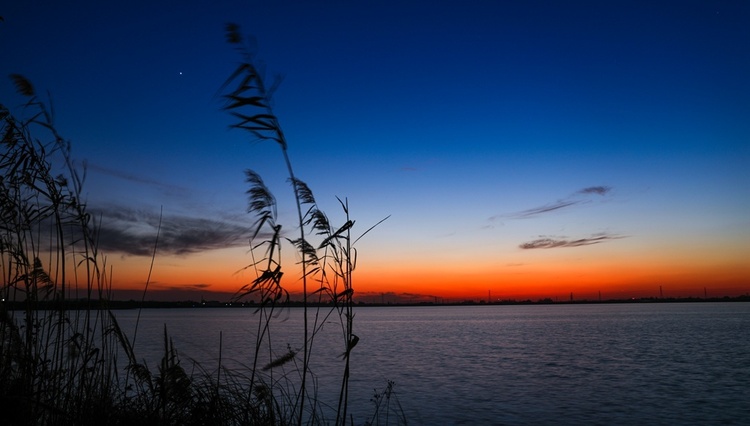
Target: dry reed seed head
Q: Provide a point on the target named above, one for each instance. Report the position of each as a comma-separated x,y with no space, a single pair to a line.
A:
233,33
303,191
23,85
320,222
280,360
61,180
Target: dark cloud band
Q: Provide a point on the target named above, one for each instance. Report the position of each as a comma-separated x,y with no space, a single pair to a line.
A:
599,190
557,242
572,200
134,232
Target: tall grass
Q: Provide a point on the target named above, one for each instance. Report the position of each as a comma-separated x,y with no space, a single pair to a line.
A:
327,254
64,360
53,361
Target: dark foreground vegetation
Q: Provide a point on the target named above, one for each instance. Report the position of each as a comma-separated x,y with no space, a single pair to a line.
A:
64,360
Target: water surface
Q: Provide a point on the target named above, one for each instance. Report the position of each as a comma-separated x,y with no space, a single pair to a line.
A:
542,364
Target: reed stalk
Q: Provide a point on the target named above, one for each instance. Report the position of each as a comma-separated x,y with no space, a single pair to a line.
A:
64,359
51,358
329,264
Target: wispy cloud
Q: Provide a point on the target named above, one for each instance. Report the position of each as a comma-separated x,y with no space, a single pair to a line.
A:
599,190
181,287
133,232
560,204
578,197
558,242
136,179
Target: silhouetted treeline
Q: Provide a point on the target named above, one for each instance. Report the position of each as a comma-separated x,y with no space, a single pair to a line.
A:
134,304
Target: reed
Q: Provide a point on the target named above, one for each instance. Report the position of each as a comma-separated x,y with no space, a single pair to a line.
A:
327,254
71,366
52,361
386,404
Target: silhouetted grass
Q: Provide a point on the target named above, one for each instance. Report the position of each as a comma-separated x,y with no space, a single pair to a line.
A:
65,366
56,366
327,254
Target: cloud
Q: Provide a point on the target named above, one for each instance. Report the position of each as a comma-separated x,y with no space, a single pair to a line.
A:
557,242
182,287
571,200
133,232
560,204
137,179
599,190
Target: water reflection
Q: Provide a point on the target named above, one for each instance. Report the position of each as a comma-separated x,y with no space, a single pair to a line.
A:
562,364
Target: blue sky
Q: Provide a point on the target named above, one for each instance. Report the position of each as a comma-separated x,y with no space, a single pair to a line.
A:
481,127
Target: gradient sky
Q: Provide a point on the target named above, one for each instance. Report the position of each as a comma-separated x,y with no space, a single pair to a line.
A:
524,148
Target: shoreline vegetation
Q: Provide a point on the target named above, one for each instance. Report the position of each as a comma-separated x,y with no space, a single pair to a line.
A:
82,304
64,360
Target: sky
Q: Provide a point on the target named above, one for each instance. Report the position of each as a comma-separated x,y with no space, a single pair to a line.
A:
520,149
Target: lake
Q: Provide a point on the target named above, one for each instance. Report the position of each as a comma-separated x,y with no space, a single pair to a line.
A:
640,363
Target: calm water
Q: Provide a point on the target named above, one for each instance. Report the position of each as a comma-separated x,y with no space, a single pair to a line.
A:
551,364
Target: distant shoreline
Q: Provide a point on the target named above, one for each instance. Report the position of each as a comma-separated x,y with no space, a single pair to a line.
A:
134,304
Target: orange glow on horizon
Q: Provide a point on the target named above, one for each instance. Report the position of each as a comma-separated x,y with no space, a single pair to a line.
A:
217,272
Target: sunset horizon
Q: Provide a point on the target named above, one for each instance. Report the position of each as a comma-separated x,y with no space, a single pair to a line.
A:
329,212
527,152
